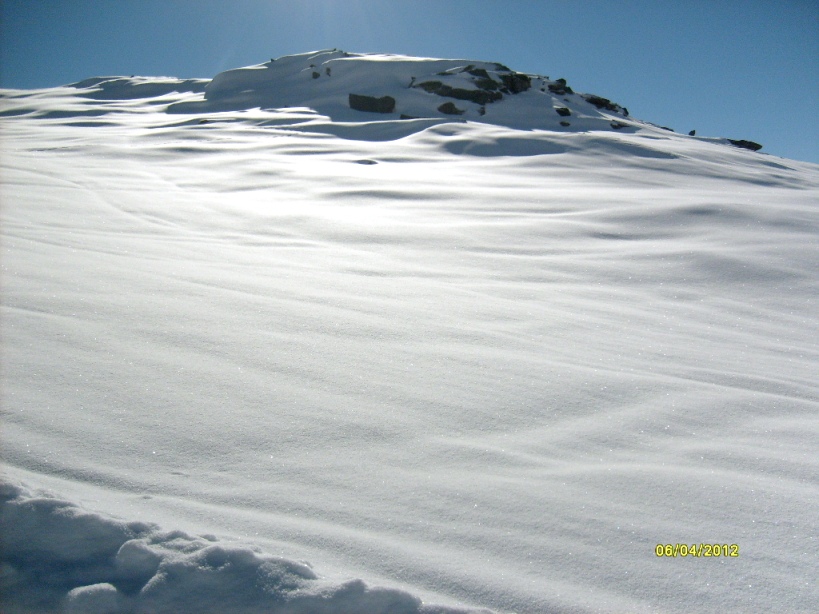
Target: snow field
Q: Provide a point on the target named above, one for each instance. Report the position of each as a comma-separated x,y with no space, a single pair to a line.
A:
450,363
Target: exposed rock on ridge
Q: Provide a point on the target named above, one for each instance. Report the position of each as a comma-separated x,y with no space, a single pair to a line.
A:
359,88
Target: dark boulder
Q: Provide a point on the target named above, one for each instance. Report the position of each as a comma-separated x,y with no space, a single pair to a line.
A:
745,144
316,75
565,123
618,125
487,84
563,111
477,96
371,104
478,72
560,88
450,109
602,103
692,133
516,82
429,86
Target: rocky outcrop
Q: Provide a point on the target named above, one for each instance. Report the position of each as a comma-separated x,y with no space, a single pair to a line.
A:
450,109
477,72
488,89
479,96
745,144
560,88
603,103
563,111
516,82
371,104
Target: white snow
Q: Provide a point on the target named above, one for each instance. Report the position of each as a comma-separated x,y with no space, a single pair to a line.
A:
264,352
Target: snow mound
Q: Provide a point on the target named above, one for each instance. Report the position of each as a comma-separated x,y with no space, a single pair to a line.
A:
366,97
58,556
360,87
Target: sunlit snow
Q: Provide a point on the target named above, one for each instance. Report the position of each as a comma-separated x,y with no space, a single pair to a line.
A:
263,352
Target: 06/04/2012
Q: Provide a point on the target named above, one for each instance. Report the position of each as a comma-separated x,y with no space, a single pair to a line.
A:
697,550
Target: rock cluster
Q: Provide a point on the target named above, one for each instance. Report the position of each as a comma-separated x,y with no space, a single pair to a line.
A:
486,90
745,144
371,104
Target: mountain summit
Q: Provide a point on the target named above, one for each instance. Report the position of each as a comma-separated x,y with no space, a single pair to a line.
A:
402,94
337,83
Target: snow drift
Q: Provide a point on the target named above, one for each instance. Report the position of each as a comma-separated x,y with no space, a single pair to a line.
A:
368,333
56,554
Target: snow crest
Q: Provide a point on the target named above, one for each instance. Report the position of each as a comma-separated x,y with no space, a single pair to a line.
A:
57,555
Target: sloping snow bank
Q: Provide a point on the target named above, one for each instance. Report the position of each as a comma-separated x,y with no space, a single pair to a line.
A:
57,556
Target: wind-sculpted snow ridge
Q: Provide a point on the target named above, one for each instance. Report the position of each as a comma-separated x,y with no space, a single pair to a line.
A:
371,97
58,557
368,87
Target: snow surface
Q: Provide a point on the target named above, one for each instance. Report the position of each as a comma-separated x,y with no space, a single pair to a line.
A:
266,353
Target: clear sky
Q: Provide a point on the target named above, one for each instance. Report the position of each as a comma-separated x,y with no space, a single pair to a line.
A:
744,69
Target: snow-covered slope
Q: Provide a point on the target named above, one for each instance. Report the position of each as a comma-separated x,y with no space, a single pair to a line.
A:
264,351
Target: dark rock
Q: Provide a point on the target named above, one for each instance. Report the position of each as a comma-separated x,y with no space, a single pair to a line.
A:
516,82
667,128
502,67
692,133
450,109
478,72
477,96
602,103
618,125
487,84
371,104
327,71
560,88
563,111
745,144
316,75
565,123
402,116
429,86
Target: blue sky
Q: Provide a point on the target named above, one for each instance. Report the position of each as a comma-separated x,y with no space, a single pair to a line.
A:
741,69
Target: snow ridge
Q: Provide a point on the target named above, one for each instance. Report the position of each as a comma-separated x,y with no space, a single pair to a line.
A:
56,555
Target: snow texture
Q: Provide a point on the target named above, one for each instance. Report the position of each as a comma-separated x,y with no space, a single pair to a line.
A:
57,554
265,352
